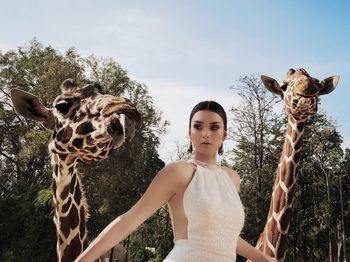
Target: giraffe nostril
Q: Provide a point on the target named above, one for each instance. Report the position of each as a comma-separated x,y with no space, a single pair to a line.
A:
115,128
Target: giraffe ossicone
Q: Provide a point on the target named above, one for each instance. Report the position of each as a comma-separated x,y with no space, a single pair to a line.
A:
300,93
86,125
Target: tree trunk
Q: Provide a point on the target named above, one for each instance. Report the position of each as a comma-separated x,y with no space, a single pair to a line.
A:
329,224
339,243
304,247
342,219
127,248
329,211
111,255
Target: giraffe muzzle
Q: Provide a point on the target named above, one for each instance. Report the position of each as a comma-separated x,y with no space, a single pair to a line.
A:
116,128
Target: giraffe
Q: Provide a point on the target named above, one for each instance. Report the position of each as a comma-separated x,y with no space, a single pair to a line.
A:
300,93
87,125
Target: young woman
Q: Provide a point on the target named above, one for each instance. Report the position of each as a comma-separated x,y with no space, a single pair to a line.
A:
206,211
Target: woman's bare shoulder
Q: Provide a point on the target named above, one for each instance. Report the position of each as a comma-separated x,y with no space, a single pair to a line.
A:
234,176
231,171
179,170
180,165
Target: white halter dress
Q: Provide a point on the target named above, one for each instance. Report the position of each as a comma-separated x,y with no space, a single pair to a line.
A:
215,218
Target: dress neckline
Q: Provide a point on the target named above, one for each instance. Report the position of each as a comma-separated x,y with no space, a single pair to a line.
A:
205,164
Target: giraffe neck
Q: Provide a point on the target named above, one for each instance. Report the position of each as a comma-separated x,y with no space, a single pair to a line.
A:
273,240
70,208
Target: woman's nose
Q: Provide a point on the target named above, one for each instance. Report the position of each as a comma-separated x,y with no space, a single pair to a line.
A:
206,133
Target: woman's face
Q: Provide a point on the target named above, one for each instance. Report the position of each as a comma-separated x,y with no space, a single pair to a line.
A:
207,132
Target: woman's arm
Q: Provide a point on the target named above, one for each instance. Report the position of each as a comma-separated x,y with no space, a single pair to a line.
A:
248,251
158,193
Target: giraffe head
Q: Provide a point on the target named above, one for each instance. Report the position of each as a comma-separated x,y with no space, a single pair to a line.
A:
300,91
86,123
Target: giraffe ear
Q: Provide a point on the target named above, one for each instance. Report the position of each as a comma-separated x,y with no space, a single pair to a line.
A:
29,106
68,85
271,84
329,84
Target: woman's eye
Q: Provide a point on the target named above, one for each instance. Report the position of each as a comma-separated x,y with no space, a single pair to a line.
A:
197,126
215,127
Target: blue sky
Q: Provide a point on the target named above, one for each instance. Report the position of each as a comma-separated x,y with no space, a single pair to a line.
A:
188,51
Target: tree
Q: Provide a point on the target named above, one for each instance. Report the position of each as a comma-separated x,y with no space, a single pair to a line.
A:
26,168
258,137
345,203
317,229
316,220
112,186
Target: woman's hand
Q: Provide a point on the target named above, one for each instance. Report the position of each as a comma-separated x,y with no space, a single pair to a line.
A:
271,259
248,251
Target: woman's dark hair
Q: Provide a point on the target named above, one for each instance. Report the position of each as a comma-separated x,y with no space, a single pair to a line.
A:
210,106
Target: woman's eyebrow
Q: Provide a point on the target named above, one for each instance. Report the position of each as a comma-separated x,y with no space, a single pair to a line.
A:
211,123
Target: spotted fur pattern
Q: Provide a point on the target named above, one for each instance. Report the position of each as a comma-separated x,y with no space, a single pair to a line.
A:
87,125
300,93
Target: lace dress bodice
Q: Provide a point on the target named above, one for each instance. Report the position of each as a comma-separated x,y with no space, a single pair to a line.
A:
215,217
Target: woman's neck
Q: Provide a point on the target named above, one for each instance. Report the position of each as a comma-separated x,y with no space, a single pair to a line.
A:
206,159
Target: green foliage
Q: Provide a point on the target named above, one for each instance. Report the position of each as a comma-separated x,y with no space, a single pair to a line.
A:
258,136
141,255
113,186
118,182
155,233
316,229
26,224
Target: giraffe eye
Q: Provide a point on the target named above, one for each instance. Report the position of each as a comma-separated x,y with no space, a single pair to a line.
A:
63,107
98,87
284,87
